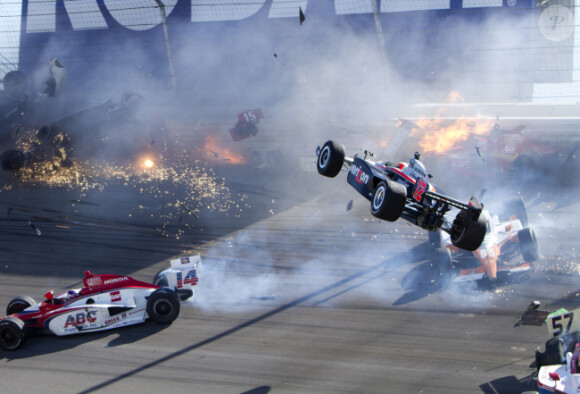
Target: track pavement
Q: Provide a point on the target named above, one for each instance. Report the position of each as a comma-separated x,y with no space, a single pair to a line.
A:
299,294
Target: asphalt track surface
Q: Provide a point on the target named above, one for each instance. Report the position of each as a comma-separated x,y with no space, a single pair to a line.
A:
302,292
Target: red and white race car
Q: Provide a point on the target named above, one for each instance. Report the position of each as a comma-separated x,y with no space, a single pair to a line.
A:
105,302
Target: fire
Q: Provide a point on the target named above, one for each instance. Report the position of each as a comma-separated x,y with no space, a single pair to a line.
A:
454,97
215,151
148,163
440,137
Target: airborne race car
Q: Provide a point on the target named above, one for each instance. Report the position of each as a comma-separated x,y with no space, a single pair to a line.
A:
403,191
509,248
105,302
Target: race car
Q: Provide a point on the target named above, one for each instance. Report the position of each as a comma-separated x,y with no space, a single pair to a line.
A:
403,190
558,366
561,378
246,125
509,248
105,302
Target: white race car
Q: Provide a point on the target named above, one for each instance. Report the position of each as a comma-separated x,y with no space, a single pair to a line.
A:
509,247
105,302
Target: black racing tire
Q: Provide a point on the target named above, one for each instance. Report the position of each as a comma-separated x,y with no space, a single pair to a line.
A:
467,233
515,206
11,333
12,160
163,306
388,202
528,245
18,304
330,159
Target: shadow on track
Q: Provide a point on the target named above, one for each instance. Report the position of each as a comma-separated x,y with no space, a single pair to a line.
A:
48,343
510,385
412,255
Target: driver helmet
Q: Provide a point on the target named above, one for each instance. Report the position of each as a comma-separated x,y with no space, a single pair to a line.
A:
70,294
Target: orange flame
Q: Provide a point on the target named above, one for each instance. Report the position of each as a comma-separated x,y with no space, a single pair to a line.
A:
454,97
216,152
441,137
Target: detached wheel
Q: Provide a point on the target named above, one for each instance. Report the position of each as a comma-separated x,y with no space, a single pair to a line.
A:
163,306
515,206
11,333
330,159
389,201
466,233
18,304
528,245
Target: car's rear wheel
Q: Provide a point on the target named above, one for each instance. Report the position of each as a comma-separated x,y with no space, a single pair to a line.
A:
466,233
388,201
330,159
163,306
18,304
528,244
11,333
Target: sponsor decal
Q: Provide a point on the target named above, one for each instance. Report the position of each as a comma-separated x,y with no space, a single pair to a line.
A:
190,279
115,280
111,321
81,319
360,176
185,260
95,281
115,296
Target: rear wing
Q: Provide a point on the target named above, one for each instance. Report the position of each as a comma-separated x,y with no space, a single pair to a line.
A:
185,262
181,276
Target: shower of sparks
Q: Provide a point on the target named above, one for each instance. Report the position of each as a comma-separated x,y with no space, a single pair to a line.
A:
186,187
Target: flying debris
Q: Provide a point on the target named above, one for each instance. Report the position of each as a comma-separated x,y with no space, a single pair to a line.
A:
34,228
349,205
533,316
56,81
478,150
302,16
246,126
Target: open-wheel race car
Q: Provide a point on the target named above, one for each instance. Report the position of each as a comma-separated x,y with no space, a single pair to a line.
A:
509,249
558,366
403,190
105,302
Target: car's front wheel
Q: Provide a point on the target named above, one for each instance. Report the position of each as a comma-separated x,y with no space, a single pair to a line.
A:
330,159
11,333
389,201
